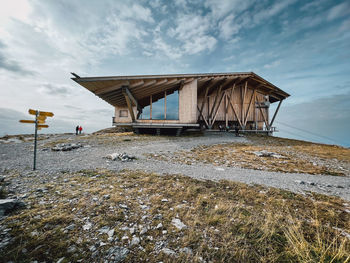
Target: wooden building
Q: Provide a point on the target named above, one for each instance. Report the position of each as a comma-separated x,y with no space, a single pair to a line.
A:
182,101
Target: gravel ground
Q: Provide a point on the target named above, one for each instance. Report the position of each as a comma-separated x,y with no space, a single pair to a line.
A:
19,157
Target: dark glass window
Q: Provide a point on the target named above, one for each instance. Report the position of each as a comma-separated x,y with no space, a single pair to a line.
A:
172,106
158,109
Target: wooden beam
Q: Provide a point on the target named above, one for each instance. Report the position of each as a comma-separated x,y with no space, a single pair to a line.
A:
243,99
229,98
215,85
229,83
228,101
128,102
217,108
203,103
266,123
111,88
206,123
165,105
157,88
150,107
148,83
234,111
204,87
126,91
250,103
189,80
161,82
214,105
137,84
226,110
274,116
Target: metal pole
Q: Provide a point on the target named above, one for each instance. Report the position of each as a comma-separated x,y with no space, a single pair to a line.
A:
35,139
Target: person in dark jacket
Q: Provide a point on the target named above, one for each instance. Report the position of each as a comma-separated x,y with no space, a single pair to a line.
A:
237,130
76,130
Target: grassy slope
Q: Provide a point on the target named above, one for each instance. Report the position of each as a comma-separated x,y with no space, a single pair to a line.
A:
227,222
298,156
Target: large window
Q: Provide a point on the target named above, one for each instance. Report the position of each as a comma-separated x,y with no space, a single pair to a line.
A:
158,109
146,113
172,106
166,108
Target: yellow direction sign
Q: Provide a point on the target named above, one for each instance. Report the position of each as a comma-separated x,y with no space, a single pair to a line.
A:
33,112
32,121
27,121
45,113
41,113
42,118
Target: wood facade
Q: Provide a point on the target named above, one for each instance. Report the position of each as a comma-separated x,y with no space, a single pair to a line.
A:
204,100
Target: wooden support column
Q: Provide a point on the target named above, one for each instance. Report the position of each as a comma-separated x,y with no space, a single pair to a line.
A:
126,92
234,111
247,113
217,108
226,110
131,111
274,116
164,105
206,123
214,105
229,102
243,91
255,124
203,103
150,107
262,113
208,98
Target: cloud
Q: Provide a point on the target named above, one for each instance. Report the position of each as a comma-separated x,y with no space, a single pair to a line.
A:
313,6
160,45
228,27
54,90
11,65
221,8
339,11
234,16
272,64
194,32
271,11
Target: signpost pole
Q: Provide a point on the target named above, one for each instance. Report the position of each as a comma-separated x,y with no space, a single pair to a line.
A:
40,117
35,138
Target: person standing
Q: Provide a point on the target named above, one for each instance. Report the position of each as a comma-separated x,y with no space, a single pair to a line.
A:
237,130
80,129
76,130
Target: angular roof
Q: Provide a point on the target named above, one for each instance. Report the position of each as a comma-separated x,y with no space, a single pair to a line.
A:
143,86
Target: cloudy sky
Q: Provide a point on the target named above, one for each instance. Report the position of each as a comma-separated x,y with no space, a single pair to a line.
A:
303,47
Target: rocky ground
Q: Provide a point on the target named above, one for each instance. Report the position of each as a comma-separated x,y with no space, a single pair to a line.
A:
214,156
98,198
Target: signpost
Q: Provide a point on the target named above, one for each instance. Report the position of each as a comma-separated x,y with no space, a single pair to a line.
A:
40,117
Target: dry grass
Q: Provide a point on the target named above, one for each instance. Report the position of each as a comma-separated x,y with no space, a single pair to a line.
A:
297,156
227,222
117,138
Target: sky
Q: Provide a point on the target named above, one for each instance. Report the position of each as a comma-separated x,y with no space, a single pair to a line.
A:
303,47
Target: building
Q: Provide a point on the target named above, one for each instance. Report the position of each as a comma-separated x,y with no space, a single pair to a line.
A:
182,101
